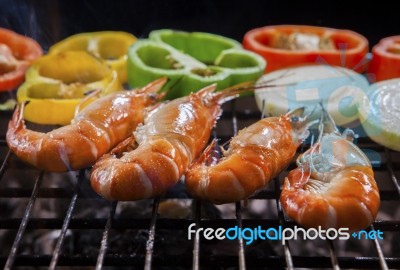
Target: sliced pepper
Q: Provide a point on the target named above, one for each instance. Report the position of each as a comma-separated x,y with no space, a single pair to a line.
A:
191,61
56,83
385,63
17,52
111,46
291,45
379,113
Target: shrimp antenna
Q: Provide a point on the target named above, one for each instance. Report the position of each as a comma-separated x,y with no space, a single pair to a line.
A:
231,92
263,108
245,87
226,143
287,73
266,83
262,86
20,118
312,111
326,123
89,96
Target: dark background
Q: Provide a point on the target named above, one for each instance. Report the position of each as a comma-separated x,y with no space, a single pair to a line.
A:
49,21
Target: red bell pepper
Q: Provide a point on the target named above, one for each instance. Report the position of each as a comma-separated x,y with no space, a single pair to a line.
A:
17,52
310,43
385,63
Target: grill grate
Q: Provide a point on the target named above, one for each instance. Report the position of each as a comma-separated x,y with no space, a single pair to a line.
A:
104,241
67,220
236,113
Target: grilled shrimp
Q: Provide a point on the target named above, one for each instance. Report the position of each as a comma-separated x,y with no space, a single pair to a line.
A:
93,132
170,139
333,185
256,155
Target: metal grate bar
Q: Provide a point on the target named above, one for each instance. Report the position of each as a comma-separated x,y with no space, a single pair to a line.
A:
196,242
263,109
234,118
332,252
104,240
288,257
24,222
165,223
152,232
286,250
51,192
3,141
62,193
390,170
4,164
242,259
390,165
67,220
210,262
238,206
378,248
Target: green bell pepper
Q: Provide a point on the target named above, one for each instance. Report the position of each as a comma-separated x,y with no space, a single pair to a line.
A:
191,61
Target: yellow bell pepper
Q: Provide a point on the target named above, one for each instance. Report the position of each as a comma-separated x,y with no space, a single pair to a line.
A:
111,46
56,83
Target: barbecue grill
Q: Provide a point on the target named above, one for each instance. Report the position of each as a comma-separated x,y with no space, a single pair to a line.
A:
156,242
55,220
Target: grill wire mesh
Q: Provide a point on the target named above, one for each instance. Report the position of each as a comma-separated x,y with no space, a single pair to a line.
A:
37,230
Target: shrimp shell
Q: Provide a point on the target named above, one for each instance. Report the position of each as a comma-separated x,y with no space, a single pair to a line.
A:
94,131
256,155
170,139
339,192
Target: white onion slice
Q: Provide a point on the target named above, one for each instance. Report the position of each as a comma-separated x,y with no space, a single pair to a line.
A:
341,90
380,113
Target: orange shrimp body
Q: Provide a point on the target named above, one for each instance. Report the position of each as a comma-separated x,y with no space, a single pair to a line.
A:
170,139
93,132
256,155
333,187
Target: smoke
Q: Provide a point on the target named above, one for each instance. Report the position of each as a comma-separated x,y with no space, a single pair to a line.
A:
19,16
31,18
